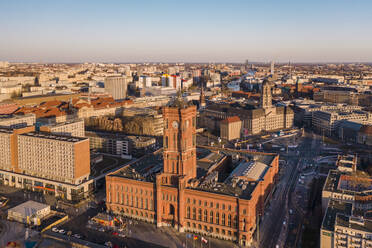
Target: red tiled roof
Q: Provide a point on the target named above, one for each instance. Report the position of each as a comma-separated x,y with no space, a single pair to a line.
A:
51,103
231,119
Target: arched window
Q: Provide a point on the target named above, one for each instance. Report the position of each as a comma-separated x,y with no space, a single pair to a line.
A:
211,217
223,219
217,218
229,220
205,215
200,214
194,214
188,213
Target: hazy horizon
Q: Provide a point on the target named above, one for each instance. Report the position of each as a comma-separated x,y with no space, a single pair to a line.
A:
188,31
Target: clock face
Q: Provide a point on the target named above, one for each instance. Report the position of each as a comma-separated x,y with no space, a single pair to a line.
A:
175,124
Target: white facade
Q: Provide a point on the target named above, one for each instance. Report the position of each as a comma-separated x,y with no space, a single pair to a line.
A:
116,87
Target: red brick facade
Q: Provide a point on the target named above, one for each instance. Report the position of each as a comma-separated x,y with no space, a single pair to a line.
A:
172,201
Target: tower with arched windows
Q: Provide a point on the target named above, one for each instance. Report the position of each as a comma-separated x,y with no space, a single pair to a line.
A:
180,139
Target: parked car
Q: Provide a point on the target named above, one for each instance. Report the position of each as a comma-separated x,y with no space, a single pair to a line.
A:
54,229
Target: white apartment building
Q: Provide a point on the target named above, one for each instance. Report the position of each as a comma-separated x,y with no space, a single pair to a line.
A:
117,87
52,156
69,128
17,121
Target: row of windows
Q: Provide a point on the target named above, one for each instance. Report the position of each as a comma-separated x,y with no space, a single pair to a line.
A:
133,201
212,205
213,218
131,189
210,229
167,197
136,212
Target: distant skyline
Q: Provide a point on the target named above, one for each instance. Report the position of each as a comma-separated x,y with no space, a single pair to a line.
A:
186,31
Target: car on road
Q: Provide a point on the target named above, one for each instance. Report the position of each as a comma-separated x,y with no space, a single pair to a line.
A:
62,231
78,236
115,233
54,229
284,222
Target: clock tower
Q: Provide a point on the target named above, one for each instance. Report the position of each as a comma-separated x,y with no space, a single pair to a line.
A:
180,139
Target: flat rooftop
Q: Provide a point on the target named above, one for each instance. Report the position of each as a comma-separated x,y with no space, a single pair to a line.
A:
338,181
46,135
64,123
251,170
354,223
145,169
28,208
15,117
335,208
5,130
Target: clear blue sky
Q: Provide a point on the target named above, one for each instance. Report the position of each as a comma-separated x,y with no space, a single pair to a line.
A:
189,31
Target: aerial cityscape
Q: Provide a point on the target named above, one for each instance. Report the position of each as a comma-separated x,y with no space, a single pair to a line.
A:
186,124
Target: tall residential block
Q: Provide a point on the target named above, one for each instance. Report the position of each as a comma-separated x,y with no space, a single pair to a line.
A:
17,121
116,87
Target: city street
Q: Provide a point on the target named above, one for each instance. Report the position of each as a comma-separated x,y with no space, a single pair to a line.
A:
277,221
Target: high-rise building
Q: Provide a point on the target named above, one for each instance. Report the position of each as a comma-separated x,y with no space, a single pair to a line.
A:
272,68
45,162
60,158
116,87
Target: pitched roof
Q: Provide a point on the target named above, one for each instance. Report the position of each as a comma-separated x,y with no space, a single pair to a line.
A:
231,119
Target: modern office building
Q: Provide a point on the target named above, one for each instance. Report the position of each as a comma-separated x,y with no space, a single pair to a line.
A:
117,87
327,122
169,191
